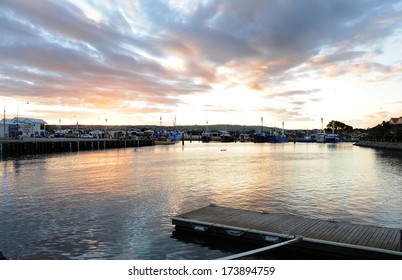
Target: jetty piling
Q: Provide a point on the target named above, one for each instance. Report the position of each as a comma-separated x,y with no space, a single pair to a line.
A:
17,148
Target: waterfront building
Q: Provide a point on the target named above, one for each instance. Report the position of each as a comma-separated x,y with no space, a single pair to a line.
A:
22,127
14,128
7,126
396,128
37,127
396,121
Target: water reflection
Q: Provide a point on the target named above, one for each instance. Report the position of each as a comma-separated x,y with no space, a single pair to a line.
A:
117,204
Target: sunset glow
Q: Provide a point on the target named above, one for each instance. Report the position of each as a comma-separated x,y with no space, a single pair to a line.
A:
132,62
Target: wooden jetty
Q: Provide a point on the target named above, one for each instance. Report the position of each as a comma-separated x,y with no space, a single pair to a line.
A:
339,240
35,146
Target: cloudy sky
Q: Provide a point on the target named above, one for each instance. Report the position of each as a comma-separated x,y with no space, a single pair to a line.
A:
233,61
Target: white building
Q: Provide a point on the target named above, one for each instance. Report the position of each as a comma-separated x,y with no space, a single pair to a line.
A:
36,126
22,127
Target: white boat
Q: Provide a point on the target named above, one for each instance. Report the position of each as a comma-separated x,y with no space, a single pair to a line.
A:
323,137
208,136
320,137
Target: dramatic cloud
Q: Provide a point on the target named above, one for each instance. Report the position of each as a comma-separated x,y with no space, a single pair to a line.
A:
159,56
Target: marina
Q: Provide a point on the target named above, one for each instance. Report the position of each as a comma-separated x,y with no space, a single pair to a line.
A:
190,130
340,239
119,203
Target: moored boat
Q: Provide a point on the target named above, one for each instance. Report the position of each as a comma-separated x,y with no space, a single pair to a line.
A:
174,135
320,137
323,137
306,139
206,137
332,138
226,137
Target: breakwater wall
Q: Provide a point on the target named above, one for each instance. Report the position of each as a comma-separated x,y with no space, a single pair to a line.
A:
395,146
17,148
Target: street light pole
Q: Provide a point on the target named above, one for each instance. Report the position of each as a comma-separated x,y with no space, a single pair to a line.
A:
18,120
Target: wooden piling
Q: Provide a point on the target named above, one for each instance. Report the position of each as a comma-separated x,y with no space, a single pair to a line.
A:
16,148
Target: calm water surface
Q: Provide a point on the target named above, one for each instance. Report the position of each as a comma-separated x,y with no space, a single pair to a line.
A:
117,204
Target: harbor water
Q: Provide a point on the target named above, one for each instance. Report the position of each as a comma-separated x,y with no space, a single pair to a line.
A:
117,204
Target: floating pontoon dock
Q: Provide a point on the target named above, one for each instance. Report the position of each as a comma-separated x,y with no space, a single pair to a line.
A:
340,239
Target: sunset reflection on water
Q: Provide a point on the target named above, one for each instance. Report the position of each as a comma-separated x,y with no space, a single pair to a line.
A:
117,204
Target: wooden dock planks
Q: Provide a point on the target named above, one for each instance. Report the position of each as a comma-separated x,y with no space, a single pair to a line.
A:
315,229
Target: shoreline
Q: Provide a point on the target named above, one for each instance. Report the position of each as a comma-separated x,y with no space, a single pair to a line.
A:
393,146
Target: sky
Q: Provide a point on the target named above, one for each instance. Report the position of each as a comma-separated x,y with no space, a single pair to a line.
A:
133,62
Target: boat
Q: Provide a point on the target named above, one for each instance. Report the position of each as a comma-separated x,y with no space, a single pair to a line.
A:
323,137
244,137
332,138
272,137
281,139
206,137
259,137
226,137
174,135
320,137
277,137
306,139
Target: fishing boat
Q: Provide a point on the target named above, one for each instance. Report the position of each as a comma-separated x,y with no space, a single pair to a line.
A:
323,137
306,139
320,137
275,136
259,137
226,137
244,137
206,137
332,138
174,135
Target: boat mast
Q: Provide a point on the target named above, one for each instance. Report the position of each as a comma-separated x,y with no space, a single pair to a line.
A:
322,125
262,126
